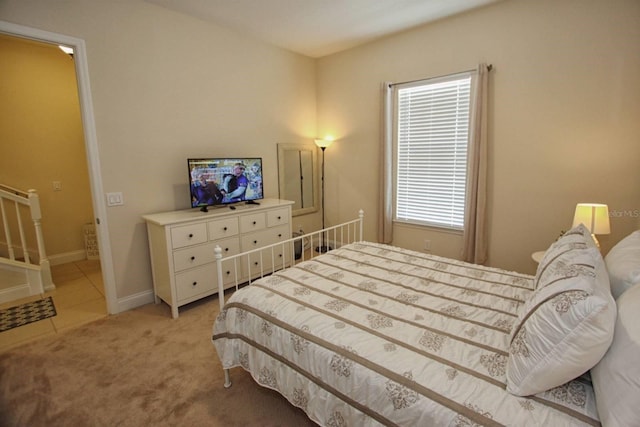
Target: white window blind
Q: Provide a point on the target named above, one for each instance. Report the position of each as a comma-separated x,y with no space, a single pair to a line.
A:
432,139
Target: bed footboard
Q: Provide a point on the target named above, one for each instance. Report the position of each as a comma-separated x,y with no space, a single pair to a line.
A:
245,267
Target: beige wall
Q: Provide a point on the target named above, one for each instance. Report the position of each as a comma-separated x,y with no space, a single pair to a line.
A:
166,87
41,141
564,124
564,128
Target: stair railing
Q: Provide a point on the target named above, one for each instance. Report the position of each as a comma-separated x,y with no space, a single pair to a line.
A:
21,199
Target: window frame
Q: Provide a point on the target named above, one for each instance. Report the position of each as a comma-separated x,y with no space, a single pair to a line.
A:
397,88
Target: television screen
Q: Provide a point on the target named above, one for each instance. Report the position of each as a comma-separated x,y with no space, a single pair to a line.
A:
220,181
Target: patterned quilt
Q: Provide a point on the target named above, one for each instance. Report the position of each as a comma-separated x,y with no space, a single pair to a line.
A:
370,334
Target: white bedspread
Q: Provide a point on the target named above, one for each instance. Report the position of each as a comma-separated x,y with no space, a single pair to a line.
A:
370,334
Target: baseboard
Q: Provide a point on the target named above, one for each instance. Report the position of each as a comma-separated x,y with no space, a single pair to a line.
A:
67,257
134,301
57,259
19,280
15,293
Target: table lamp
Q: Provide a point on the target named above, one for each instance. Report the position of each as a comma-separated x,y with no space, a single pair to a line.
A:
595,216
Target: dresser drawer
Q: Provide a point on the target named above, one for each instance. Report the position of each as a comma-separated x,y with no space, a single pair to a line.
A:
230,269
251,223
229,246
264,238
194,282
277,234
233,272
193,256
222,228
277,217
186,235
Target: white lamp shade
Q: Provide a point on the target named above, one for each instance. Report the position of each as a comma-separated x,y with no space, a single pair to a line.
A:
594,216
323,143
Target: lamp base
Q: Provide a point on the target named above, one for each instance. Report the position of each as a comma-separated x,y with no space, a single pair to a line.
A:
323,248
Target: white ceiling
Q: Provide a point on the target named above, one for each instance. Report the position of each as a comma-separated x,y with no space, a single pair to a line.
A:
317,28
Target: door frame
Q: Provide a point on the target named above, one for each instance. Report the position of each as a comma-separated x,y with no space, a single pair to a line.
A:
91,146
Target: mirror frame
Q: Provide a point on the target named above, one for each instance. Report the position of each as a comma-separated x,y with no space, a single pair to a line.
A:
282,149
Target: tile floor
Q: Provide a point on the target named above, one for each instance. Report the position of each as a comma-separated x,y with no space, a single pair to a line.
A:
78,298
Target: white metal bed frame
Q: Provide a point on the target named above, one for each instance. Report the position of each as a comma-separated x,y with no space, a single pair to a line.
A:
335,237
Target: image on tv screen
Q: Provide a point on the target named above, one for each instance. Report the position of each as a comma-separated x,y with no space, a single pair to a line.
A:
219,181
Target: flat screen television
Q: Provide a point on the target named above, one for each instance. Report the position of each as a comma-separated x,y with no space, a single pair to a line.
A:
224,181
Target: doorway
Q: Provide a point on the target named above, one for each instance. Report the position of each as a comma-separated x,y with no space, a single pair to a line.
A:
90,142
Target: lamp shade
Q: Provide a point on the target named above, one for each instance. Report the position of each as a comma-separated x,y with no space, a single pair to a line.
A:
323,143
594,216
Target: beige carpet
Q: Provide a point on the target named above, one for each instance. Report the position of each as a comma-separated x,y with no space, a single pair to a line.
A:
138,368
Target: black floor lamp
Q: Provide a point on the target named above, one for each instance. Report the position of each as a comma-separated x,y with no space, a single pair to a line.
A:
323,144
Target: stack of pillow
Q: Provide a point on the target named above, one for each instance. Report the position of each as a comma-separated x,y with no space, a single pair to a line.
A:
567,325
616,378
572,324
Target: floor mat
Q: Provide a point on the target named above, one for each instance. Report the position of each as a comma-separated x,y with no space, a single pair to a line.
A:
26,313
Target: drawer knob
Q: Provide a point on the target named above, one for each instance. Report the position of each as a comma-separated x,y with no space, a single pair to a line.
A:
255,242
280,235
193,258
226,249
194,283
190,235
254,223
225,229
279,217
228,273
255,263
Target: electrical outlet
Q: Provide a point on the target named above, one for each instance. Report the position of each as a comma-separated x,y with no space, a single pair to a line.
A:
427,245
57,186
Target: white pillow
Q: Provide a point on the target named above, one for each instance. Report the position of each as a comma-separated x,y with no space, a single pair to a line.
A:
616,378
576,238
565,328
623,264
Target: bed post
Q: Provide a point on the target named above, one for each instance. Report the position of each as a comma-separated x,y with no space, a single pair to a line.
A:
361,216
218,255
227,379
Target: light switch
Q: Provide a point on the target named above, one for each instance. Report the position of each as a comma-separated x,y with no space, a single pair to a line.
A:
115,199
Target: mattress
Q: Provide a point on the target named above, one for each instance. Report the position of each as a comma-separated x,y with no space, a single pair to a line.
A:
371,334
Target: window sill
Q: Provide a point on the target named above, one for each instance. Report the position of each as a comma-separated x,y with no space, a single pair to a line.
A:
434,228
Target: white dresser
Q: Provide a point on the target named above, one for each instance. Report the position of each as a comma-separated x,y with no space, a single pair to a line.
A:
181,245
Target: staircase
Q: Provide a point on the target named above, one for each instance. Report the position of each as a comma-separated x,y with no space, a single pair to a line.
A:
23,271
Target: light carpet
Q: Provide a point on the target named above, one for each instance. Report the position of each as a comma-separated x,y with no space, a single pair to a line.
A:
138,368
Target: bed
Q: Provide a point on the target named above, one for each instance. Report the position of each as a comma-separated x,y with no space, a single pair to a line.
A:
370,334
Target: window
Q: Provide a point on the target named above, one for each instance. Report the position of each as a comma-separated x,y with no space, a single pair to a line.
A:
432,132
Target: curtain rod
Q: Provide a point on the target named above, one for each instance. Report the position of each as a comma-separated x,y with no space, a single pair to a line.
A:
489,68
